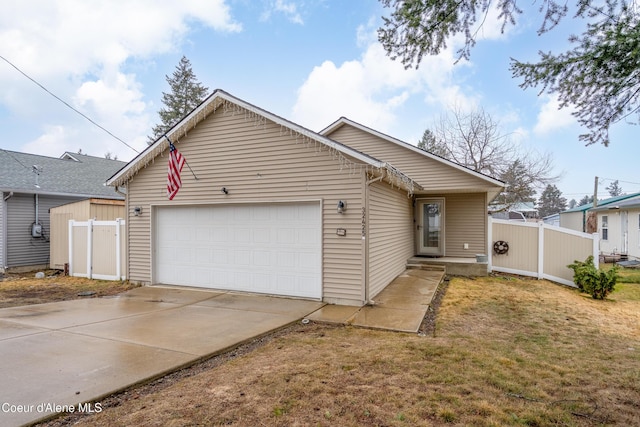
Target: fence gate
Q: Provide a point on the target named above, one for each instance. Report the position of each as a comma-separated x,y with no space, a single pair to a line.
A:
97,249
538,249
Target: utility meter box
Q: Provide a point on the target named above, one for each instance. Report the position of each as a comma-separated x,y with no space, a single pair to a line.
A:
36,230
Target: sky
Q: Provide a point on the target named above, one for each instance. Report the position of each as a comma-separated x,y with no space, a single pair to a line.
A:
309,61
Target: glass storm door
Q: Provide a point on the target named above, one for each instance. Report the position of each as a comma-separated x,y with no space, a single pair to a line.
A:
430,227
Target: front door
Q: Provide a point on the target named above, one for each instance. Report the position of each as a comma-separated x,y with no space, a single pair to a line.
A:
430,226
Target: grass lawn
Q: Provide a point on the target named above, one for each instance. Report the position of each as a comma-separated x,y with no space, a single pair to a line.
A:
506,351
25,289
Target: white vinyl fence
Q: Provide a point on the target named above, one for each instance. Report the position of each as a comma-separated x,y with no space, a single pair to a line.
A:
97,249
539,250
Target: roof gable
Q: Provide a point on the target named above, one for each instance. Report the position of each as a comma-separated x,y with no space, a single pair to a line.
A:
228,104
414,156
77,175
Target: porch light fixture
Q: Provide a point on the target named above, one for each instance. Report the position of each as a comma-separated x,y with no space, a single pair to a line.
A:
342,206
137,211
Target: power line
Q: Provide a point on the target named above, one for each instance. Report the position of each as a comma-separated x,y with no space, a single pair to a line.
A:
65,103
619,180
14,158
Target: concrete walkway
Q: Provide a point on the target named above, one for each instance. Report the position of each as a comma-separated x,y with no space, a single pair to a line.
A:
55,356
401,306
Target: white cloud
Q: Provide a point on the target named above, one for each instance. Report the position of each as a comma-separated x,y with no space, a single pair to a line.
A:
551,118
78,49
373,89
288,8
55,141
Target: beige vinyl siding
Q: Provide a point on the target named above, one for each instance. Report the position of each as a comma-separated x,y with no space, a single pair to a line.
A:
465,222
98,209
431,174
390,235
256,162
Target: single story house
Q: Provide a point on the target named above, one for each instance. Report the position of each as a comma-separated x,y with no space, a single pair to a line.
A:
619,228
576,218
268,206
30,186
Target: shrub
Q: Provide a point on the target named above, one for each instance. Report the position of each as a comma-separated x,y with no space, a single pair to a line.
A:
596,282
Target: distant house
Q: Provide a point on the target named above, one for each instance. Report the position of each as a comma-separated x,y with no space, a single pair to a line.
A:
518,211
619,228
576,218
553,219
30,185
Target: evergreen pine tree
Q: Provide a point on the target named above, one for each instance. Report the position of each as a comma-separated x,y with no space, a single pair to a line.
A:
430,143
519,185
614,189
185,95
551,201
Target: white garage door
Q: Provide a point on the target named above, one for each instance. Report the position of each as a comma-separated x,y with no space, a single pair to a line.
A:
265,248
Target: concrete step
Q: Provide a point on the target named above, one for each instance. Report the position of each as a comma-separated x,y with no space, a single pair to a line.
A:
428,267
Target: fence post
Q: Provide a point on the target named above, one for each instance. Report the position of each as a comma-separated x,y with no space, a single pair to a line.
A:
596,250
118,266
540,250
489,243
71,266
89,249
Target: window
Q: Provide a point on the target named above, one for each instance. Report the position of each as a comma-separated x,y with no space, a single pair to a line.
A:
605,227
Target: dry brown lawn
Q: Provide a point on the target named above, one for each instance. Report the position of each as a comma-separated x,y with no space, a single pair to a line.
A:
505,352
25,289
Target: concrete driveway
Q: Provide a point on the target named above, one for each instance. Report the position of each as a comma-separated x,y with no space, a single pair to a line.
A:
56,356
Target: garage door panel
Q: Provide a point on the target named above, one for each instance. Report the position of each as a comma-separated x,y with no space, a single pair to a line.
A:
274,249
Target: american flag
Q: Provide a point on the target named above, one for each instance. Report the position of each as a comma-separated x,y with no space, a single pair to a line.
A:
176,162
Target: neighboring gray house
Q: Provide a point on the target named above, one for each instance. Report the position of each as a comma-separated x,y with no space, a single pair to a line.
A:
30,185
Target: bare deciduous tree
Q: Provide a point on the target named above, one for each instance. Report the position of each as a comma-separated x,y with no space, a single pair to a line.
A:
474,139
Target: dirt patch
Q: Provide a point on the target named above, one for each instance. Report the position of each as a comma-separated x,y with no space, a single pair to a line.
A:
428,325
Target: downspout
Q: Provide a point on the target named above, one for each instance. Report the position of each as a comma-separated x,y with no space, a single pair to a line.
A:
37,207
120,192
366,245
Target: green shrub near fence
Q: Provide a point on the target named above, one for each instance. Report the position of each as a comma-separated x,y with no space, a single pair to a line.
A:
596,282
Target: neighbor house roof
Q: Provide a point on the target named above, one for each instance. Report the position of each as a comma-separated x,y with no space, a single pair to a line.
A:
343,120
632,203
71,174
605,202
220,99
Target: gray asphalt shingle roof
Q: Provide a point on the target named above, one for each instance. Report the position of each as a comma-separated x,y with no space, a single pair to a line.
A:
73,174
